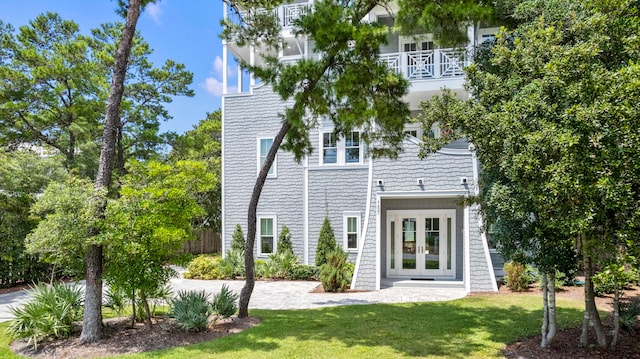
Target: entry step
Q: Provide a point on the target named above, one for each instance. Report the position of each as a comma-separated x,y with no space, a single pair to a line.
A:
423,283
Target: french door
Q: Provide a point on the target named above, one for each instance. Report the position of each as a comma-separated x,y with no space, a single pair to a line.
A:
421,243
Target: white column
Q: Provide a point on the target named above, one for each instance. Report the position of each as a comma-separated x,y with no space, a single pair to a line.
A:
239,78
225,59
252,62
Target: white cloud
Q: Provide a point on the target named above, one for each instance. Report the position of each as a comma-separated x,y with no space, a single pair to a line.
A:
155,10
214,87
218,67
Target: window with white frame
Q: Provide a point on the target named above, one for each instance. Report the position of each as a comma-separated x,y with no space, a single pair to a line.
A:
329,148
351,225
347,150
266,235
352,148
264,145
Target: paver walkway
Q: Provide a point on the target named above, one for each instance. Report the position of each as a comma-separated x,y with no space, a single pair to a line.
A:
284,295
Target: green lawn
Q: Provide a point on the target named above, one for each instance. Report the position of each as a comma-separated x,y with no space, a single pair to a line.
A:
470,327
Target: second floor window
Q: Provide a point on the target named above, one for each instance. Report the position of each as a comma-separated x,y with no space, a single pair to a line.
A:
264,145
329,148
352,148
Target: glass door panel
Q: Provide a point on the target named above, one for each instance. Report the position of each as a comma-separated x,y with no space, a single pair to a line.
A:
432,243
393,244
409,243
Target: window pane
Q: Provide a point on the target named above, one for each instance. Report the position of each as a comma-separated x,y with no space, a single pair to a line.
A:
265,145
266,245
266,226
330,155
352,224
352,241
329,140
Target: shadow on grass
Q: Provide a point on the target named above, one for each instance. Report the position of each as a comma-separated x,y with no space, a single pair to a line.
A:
473,326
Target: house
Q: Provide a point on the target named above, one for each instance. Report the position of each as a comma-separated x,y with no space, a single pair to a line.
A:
401,220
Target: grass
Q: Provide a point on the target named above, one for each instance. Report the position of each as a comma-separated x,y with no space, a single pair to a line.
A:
476,326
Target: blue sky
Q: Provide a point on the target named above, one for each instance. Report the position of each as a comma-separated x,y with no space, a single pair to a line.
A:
182,30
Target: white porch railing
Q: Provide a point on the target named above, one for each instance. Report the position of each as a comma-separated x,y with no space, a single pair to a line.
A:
430,64
291,12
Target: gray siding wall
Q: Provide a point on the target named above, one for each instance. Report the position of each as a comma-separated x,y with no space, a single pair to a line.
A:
480,265
332,192
246,118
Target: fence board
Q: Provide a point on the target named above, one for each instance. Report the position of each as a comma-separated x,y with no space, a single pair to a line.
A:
207,241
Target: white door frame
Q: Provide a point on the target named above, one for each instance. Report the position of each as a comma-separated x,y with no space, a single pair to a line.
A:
447,268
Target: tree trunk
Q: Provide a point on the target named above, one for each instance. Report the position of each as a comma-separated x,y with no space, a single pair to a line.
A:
120,151
591,315
92,321
616,317
549,294
147,311
245,294
133,308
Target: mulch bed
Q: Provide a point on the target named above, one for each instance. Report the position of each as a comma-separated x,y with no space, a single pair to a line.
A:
119,338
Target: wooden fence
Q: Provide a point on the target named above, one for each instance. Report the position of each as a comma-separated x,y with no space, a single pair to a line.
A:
207,242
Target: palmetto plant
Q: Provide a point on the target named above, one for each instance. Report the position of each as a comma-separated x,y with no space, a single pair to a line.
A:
51,313
224,303
191,310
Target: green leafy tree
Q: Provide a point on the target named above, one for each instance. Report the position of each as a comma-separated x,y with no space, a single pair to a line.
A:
237,240
553,122
284,241
147,224
326,242
202,143
23,175
51,93
69,213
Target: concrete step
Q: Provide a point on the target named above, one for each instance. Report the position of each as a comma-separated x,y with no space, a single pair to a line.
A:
419,283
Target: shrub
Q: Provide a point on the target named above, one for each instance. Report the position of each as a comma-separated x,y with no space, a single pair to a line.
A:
232,265
280,265
51,313
515,275
191,310
237,240
326,242
260,268
336,273
605,281
629,311
203,267
224,303
304,272
284,241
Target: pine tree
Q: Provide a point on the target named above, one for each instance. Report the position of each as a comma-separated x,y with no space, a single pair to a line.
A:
237,240
284,241
326,242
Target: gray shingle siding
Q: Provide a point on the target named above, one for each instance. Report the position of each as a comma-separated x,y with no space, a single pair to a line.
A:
245,119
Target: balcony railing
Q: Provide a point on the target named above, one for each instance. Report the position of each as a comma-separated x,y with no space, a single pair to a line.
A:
286,14
292,12
429,64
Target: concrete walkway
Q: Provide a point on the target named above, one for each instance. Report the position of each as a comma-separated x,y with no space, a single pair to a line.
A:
284,295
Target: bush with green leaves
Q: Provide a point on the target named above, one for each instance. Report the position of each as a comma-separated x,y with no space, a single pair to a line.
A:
237,240
232,265
516,280
280,265
304,272
326,242
51,313
284,241
612,276
224,303
337,272
191,310
629,311
204,267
